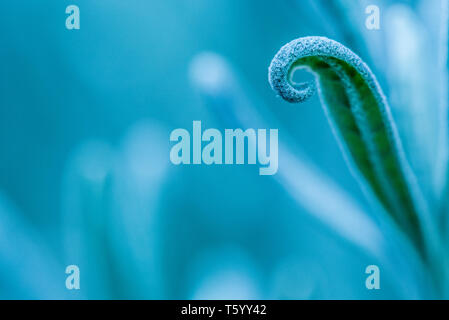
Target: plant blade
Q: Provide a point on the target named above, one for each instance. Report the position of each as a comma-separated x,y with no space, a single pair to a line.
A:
360,117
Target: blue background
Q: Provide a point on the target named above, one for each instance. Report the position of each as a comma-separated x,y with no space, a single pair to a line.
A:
85,176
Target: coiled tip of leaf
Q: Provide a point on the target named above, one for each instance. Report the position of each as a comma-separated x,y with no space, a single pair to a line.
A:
280,70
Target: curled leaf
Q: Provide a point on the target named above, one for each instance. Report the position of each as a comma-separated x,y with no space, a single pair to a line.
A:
360,117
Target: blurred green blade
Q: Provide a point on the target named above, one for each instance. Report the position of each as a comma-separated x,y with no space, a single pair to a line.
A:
442,172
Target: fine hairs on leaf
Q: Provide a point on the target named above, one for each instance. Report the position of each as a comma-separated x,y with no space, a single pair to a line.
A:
360,118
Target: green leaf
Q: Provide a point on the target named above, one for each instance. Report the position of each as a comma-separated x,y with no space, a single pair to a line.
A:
360,117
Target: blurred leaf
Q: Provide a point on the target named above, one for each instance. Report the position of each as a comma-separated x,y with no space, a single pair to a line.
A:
413,98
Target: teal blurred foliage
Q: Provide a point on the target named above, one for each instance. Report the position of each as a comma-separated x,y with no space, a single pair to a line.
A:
85,176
